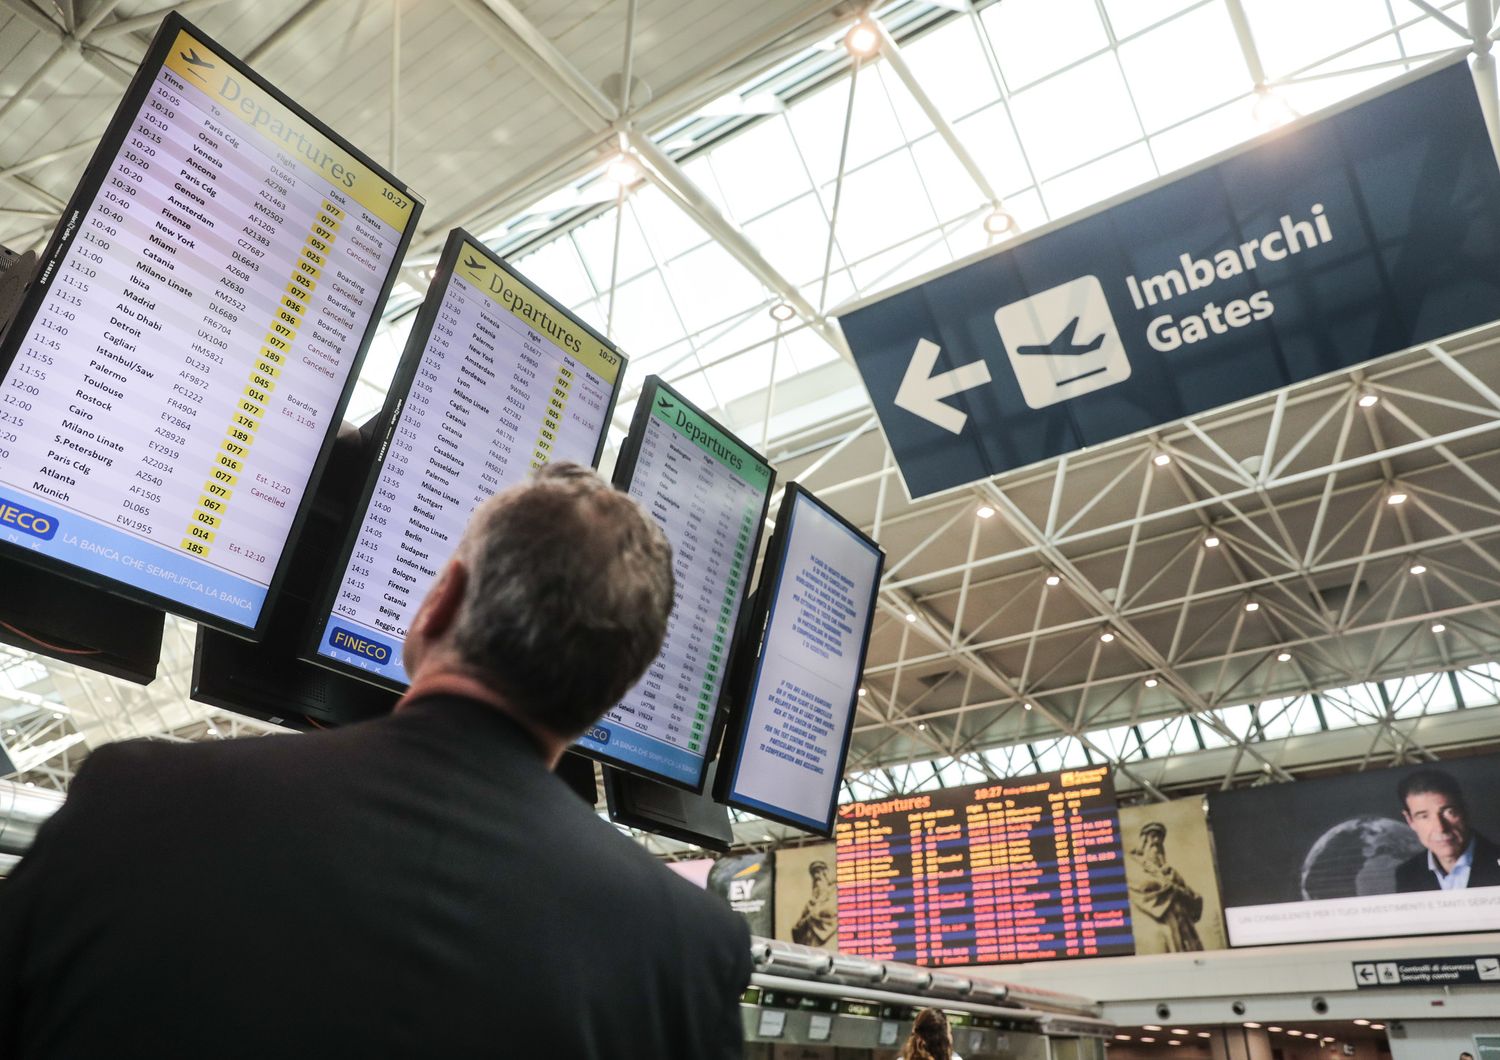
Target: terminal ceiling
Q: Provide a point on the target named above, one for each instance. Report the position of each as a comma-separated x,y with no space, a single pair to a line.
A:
1068,612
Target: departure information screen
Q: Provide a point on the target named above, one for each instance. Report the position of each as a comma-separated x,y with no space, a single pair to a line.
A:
496,382
709,492
820,584
1028,869
182,362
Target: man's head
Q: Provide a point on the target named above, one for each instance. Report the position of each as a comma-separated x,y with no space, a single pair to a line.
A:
1433,805
1153,840
556,600
820,872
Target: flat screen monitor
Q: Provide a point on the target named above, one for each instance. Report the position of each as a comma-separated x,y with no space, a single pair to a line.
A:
497,379
709,492
784,751
1413,850
1026,869
176,373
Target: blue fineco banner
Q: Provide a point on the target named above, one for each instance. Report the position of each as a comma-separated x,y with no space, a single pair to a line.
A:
1335,241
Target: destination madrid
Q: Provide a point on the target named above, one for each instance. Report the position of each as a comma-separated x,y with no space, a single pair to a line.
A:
1167,332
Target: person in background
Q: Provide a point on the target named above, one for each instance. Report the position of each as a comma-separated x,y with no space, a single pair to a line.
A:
417,885
1456,856
931,1038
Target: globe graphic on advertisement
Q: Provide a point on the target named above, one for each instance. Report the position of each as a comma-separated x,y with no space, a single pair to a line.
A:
1357,857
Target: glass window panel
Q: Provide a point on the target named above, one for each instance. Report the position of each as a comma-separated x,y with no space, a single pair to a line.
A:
556,269
1236,720
1207,733
1131,16
950,65
1158,737
1048,758
1216,131
1075,117
952,190
883,204
668,230
991,139
1338,714
709,286
1099,180
907,261
1292,34
1032,38
644,318
1430,35
910,117
698,390
1072,754
758,169
738,377
818,124
595,240
794,239
1304,97
1278,718
1199,49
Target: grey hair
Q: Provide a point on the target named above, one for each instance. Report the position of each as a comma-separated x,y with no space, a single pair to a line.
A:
569,590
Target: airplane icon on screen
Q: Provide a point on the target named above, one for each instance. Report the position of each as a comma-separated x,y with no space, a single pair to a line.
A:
471,263
663,403
192,58
1063,345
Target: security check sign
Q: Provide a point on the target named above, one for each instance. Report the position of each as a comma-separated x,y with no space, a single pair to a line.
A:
1340,239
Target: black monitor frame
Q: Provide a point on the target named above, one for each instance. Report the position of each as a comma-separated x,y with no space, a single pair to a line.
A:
736,742
61,242
630,451
390,418
677,814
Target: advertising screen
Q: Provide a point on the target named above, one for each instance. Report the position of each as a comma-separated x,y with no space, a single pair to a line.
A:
496,381
709,492
176,374
1406,851
786,755
1028,869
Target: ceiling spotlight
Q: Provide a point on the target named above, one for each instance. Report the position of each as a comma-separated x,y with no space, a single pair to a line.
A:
56,716
1377,1026
1205,1034
1173,1041
1211,541
1368,401
863,40
1274,1030
1106,636
998,222
1026,705
1396,498
1122,1037
1438,627
911,616
1295,1033
1284,656
1181,1032
1054,580
984,511
1161,459
1150,1027
1149,1041
1361,1023
782,311
921,726
863,693
622,170
1252,606
1152,682
1417,568
1252,1026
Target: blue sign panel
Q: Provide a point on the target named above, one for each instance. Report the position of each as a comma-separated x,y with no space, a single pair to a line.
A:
1342,239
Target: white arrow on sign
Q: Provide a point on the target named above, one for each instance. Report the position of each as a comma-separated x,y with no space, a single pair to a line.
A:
922,393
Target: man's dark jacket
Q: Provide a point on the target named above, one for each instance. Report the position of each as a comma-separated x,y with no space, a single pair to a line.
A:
1413,874
416,886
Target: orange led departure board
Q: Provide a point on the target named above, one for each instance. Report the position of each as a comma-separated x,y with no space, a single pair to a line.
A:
1020,870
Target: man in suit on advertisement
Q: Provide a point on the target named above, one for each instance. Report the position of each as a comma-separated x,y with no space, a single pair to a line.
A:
417,885
1455,857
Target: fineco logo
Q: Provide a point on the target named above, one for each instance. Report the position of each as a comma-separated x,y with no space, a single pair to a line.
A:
366,647
37,524
1063,342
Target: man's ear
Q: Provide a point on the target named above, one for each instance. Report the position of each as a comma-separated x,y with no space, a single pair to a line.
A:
444,599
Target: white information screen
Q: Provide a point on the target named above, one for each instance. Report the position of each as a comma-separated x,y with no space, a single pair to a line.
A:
709,493
802,696
184,369
505,383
